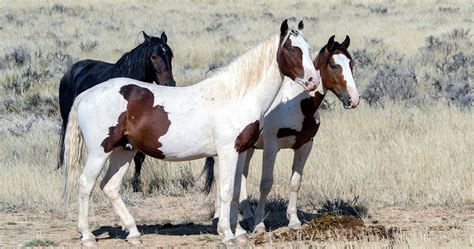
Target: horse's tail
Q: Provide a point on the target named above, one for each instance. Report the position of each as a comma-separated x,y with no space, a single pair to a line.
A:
61,145
65,105
209,170
73,142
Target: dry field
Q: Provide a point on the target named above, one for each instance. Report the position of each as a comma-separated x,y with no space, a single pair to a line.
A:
406,154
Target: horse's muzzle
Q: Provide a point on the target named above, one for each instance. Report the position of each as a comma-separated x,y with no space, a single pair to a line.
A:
169,83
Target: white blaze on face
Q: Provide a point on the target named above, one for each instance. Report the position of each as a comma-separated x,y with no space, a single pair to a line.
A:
343,61
308,67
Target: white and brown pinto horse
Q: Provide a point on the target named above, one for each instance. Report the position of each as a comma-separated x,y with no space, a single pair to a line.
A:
291,123
219,116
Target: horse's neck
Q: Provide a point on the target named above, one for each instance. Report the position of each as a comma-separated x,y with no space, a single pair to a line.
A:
252,80
291,90
133,65
267,90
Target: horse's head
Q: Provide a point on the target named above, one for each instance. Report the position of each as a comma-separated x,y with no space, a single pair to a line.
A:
335,67
159,59
294,58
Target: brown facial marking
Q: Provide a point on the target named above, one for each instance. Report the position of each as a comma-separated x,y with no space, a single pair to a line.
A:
248,137
290,60
141,124
331,73
309,128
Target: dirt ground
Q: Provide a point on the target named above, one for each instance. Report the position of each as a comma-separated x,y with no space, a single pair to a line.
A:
185,222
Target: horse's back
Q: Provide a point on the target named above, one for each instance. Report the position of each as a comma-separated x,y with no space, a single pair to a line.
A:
81,76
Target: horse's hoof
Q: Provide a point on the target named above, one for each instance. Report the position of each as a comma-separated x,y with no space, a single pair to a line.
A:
134,241
259,230
296,226
242,239
248,223
89,243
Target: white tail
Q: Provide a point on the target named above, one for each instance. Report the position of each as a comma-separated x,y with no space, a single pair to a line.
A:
72,154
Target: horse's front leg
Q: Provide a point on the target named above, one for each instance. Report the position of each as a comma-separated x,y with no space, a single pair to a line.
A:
138,159
299,160
230,174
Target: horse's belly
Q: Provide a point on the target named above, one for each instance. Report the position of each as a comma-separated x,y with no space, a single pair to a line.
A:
187,139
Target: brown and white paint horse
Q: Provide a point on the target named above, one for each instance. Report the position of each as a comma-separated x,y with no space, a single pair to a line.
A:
291,123
219,116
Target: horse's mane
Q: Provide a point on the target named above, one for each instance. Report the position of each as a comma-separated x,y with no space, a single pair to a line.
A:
246,71
133,63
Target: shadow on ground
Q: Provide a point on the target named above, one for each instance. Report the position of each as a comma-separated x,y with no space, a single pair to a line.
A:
276,211
165,229
276,218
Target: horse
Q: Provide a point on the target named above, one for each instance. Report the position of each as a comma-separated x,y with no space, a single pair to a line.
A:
291,123
219,116
148,62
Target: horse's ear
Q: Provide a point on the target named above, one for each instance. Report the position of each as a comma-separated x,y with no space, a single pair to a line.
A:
301,25
164,38
284,28
147,37
346,42
330,44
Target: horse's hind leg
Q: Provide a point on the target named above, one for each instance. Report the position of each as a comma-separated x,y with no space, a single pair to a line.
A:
119,163
244,200
299,160
94,164
266,182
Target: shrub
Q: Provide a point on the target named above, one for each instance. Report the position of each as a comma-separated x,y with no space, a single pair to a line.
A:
88,46
40,243
18,55
391,81
448,61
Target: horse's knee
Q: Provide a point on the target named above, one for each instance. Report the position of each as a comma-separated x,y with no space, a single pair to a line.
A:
111,192
295,184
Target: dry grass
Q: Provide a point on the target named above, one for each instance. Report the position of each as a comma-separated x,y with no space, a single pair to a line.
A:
408,153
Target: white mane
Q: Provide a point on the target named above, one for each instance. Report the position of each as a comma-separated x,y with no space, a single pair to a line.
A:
246,71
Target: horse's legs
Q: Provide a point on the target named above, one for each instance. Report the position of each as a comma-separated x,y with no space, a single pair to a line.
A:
217,202
266,182
228,164
138,159
94,164
240,233
119,163
244,201
299,160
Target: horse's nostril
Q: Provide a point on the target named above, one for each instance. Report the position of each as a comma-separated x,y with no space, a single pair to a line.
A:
310,79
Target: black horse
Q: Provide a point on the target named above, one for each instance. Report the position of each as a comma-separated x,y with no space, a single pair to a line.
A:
148,62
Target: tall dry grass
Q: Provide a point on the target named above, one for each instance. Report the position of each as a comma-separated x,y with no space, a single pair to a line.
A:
399,153
390,156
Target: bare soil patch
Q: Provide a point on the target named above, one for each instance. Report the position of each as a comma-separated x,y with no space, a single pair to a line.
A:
185,221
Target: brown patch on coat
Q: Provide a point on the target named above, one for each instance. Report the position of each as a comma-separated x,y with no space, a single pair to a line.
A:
309,128
290,60
141,124
248,137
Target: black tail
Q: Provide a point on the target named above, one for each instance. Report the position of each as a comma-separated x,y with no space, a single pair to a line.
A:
61,145
209,170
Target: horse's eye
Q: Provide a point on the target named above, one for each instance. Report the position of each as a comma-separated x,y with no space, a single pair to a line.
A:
153,57
291,50
333,66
